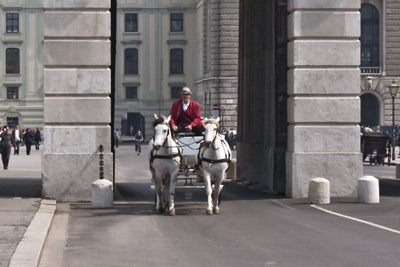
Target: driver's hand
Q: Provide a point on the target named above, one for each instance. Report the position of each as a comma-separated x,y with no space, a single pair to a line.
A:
174,127
188,128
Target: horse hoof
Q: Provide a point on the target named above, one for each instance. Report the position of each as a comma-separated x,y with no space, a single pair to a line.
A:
216,211
172,213
209,212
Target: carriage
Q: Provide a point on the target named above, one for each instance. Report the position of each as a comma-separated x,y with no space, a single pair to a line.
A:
188,161
376,146
189,172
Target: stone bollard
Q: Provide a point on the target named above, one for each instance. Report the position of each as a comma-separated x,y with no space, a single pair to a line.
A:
397,171
319,191
102,194
368,190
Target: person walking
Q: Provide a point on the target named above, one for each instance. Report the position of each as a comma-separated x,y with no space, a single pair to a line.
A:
138,142
5,146
116,136
17,136
37,138
28,140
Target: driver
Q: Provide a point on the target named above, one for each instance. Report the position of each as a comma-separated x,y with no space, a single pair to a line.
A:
185,114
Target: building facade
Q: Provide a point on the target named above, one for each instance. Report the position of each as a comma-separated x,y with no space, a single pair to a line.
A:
163,46
380,61
21,71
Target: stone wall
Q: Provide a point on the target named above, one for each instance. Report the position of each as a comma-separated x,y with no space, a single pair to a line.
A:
218,81
392,38
77,107
323,88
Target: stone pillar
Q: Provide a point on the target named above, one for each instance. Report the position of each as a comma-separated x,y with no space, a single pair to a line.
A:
77,107
323,89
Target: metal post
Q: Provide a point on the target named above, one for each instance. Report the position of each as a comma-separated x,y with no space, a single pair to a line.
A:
101,162
394,132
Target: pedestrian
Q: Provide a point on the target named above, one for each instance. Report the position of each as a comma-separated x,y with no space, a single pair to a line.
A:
231,138
116,136
23,134
38,138
17,136
28,140
138,142
5,146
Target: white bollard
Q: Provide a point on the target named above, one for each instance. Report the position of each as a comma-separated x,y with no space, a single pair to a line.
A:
368,190
319,191
102,194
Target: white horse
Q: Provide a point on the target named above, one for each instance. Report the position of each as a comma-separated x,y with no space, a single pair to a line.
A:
165,159
214,159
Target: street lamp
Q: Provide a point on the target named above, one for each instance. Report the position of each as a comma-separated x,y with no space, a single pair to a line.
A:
393,88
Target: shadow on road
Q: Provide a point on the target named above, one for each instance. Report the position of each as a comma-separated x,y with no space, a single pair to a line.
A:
21,187
389,187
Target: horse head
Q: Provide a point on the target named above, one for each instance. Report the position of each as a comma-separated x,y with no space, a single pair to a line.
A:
161,131
211,130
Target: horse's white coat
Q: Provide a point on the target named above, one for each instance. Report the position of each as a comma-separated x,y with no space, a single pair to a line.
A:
165,170
214,148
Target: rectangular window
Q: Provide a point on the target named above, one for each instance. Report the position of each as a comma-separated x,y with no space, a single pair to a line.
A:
131,22
12,61
175,92
12,22
12,92
131,61
131,92
12,122
176,22
176,61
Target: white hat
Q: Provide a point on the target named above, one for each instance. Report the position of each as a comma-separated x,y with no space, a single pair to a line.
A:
185,91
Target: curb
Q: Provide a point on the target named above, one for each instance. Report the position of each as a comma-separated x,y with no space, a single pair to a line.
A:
30,248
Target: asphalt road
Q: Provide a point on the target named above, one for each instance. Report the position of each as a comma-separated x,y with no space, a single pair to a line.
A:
254,228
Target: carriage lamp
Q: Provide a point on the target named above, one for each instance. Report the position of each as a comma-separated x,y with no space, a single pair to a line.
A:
393,88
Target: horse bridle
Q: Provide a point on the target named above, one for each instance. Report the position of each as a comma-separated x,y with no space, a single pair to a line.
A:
166,137
172,156
212,161
215,136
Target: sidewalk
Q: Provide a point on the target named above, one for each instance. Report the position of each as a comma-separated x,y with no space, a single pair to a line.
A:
25,218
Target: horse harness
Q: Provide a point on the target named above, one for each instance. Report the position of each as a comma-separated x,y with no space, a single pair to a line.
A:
200,158
171,156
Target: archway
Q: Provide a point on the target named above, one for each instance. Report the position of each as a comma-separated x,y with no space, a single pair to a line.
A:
369,110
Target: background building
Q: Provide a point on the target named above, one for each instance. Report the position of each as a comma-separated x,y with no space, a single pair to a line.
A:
380,60
163,46
21,71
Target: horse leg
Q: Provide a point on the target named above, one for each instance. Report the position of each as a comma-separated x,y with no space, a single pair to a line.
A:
217,191
158,186
171,208
207,180
166,194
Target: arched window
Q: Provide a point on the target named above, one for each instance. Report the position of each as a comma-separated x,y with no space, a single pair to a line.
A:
369,110
369,36
131,61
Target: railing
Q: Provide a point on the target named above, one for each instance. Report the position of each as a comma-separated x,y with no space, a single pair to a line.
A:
371,71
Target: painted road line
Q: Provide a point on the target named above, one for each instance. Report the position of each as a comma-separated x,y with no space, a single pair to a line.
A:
357,220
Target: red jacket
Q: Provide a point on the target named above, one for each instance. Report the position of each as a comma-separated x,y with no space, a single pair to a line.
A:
193,111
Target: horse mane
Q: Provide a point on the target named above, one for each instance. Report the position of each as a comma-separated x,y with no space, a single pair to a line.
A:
210,120
158,121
